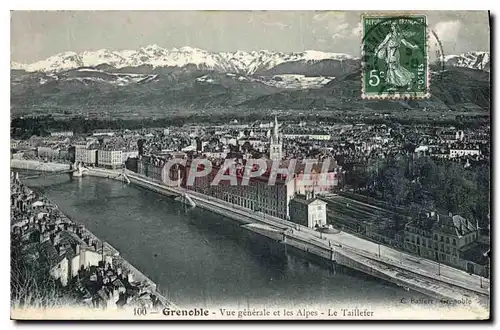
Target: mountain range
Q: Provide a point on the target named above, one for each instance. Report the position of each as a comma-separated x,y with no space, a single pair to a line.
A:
191,77
153,56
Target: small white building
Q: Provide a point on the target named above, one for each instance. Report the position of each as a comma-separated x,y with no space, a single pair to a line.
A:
14,143
85,259
464,152
189,148
215,154
61,271
310,136
103,132
309,212
70,262
61,133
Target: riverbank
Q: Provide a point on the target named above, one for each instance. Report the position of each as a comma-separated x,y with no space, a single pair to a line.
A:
107,280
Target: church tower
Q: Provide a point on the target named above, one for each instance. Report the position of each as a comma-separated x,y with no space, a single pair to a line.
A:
275,147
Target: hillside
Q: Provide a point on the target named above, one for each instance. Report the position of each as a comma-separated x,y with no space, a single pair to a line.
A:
196,79
345,93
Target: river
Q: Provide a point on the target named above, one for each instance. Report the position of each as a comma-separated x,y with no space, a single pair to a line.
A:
199,259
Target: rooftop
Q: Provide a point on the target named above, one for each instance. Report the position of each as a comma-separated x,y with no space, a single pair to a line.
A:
452,225
302,200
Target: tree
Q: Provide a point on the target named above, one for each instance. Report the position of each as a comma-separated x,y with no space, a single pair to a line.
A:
357,177
483,185
247,146
395,186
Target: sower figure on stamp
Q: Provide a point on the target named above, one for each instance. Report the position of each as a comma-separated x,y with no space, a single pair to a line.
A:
388,51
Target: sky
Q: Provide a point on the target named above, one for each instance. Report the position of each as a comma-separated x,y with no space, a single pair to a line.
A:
36,35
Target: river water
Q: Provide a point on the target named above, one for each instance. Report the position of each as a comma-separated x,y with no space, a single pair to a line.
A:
199,259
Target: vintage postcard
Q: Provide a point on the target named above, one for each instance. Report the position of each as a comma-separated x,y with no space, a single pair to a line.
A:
250,165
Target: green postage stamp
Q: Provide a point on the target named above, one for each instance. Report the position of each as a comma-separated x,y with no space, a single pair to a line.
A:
394,56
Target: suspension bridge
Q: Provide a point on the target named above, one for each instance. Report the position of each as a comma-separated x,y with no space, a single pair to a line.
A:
73,170
53,173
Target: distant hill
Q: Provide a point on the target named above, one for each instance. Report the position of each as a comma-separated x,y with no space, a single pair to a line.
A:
449,89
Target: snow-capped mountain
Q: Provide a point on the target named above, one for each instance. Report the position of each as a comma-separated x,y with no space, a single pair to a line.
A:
103,56
59,62
473,60
156,56
17,66
266,60
74,91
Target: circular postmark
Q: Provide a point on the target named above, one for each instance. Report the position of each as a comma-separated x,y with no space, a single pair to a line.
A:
395,56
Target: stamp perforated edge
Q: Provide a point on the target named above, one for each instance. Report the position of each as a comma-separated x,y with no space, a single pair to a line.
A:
395,96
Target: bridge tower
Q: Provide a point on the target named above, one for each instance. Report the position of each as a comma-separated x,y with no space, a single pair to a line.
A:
78,171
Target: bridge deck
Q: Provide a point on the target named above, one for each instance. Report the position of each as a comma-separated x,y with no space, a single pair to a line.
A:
34,176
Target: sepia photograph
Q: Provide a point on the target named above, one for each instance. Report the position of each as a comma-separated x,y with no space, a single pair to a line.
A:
250,165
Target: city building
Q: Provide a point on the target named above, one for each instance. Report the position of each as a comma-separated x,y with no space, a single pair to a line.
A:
308,211
215,154
14,143
132,164
47,152
60,271
86,156
254,142
447,239
72,260
310,135
103,132
464,152
258,195
82,144
110,158
129,154
448,135
316,182
152,167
